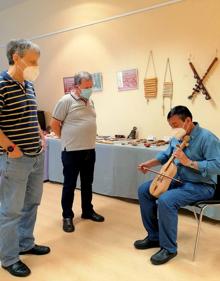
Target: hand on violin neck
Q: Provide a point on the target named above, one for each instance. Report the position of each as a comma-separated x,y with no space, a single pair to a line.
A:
181,156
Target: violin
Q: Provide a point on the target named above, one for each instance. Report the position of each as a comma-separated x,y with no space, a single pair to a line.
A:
162,181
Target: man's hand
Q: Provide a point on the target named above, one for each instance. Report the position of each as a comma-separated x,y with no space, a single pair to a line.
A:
181,156
43,141
142,167
147,165
17,153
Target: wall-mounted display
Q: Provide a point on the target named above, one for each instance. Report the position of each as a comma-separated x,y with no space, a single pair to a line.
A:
150,80
97,82
199,86
127,79
167,85
68,83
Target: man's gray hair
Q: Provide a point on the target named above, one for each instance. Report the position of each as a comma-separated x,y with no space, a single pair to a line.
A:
81,75
19,47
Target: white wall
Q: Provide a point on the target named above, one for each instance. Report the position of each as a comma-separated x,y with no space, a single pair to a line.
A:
190,27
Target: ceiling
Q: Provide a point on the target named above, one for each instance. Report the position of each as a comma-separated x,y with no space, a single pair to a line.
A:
4,4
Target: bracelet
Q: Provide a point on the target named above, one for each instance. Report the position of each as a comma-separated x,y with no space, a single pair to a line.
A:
191,164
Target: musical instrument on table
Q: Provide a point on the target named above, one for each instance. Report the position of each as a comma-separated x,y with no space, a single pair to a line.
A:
162,181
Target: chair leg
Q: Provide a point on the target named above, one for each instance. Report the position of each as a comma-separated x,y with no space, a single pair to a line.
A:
198,231
195,214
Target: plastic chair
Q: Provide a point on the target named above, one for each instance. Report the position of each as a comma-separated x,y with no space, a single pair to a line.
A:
202,205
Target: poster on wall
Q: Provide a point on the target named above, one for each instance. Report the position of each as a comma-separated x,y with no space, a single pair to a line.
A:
68,83
127,79
97,82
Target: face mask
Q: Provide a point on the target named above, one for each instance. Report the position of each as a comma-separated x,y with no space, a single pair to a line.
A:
86,93
30,73
178,133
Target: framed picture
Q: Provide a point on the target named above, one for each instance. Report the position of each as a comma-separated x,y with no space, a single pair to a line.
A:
97,82
127,79
68,83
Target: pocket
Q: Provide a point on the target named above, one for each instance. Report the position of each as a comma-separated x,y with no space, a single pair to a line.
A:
15,168
15,157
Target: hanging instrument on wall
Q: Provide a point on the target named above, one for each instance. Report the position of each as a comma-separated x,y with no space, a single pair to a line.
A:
199,86
167,86
162,181
150,84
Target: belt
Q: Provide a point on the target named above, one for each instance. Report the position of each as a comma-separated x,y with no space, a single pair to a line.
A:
38,152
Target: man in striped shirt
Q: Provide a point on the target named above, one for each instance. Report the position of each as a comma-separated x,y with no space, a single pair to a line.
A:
22,157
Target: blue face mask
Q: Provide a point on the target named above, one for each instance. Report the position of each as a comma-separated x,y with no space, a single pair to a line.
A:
86,93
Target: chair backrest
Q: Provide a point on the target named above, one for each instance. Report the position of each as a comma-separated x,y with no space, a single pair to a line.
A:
217,190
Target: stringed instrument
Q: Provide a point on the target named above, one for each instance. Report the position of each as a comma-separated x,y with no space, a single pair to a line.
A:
162,181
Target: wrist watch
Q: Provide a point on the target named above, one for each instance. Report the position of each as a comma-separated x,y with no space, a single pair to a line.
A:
192,164
11,148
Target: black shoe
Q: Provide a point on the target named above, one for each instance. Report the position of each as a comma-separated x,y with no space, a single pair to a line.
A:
93,216
68,225
18,269
36,250
146,244
162,256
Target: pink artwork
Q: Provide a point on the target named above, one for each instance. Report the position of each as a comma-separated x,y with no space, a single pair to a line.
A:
127,80
68,83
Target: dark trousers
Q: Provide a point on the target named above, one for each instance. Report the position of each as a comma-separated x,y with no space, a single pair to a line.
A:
74,163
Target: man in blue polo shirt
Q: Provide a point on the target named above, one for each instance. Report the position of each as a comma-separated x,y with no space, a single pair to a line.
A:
197,167
22,157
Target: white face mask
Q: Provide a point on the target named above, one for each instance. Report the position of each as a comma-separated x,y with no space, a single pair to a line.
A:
178,133
31,73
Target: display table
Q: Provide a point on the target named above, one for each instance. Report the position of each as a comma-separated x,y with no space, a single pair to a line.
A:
116,171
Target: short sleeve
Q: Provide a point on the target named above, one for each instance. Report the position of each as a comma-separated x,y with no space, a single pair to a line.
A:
61,109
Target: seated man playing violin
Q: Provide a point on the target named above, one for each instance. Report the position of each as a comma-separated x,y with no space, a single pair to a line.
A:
197,163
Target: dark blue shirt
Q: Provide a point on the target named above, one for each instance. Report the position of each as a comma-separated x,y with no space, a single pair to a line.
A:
18,114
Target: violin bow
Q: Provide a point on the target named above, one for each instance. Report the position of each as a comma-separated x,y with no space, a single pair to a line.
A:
162,175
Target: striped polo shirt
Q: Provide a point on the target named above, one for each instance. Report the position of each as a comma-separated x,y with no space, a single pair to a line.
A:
18,114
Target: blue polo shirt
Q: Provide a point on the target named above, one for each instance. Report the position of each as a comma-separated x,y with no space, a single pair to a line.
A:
204,148
18,114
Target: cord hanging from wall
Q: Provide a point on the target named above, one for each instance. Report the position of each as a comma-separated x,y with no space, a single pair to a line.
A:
150,84
167,85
